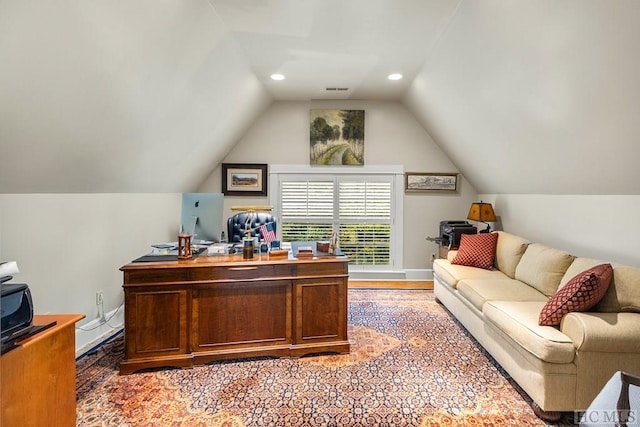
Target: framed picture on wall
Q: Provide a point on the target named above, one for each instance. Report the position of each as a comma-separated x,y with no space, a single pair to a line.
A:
244,179
336,137
426,182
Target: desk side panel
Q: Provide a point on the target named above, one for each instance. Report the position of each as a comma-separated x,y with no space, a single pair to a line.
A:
38,379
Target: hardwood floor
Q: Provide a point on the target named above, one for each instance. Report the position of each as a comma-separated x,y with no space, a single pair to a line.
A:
404,284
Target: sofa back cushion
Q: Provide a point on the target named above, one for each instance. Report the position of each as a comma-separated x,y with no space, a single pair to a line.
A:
509,250
578,265
624,292
543,267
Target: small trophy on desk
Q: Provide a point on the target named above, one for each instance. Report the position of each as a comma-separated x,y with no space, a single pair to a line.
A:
334,244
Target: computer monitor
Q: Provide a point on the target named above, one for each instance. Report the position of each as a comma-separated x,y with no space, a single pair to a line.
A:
202,215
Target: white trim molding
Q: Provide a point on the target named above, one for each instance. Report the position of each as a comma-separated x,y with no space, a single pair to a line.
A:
397,171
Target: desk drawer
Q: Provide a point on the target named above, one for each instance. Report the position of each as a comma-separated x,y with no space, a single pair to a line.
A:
322,269
242,272
154,276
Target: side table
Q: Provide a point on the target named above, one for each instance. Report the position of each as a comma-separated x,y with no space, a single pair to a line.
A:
38,379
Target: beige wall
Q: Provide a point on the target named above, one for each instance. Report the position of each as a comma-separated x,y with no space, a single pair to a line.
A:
68,246
604,227
392,137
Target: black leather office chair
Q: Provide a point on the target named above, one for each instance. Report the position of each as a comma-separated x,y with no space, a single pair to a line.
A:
237,224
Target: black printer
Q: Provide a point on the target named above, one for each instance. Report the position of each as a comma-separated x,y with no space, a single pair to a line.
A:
451,232
17,314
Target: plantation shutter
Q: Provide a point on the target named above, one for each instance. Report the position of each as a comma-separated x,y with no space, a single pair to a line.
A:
358,208
307,209
365,220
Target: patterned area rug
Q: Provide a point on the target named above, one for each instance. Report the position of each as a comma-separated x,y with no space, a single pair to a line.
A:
411,364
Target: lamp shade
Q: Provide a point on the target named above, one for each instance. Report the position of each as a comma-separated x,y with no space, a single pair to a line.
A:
482,212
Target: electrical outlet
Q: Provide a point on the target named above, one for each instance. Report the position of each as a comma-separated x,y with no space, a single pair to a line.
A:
99,298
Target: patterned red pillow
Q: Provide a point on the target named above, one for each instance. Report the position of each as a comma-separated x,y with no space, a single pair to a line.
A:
579,294
477,250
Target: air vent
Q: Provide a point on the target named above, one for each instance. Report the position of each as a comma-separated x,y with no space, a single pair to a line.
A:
338,89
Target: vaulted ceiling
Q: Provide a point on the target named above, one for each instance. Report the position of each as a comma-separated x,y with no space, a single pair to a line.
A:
525,96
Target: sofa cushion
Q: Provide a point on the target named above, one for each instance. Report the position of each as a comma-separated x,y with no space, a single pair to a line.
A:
578,265
509,250
519,320
581,293
479,291
477,250
542,267
624,293
450,274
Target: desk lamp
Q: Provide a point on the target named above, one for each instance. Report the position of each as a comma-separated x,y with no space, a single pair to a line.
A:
251,211
482,212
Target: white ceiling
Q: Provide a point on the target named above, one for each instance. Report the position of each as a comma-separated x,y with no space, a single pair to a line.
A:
525,96
319,44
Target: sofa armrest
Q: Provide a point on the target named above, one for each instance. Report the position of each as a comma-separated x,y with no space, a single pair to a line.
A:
603,332
451,255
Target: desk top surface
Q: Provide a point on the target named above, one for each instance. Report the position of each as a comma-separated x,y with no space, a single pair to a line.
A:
231,260
62,321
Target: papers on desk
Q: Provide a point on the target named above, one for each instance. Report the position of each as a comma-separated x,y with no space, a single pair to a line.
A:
8,268
167,246
218,249
202,242
171,248
164,249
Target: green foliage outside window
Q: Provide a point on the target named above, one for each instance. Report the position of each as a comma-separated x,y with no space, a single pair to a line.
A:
364,244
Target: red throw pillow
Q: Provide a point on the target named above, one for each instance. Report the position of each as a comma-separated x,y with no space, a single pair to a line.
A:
477,250
579,294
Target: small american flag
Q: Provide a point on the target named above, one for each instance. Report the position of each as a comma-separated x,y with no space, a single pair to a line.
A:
267,232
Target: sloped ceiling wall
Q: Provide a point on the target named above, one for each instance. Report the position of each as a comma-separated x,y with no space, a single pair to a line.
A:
148,96
537,96
130,96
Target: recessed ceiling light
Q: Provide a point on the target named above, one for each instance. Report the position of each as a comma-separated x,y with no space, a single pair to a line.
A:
394,76
277,76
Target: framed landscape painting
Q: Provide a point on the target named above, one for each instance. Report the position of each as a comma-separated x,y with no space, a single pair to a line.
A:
244,179
421,182
336,137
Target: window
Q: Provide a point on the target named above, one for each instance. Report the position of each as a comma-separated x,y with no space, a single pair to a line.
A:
306,209
359,207
364,220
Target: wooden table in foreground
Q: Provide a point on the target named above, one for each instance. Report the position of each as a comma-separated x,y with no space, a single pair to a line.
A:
182,313
39,376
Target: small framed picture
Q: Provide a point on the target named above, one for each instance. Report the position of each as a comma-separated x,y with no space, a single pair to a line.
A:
244,179
430,182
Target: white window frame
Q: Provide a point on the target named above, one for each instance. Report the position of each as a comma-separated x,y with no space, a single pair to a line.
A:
395,172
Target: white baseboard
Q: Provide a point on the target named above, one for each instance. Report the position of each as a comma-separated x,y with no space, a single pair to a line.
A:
93,333
419,274
409,275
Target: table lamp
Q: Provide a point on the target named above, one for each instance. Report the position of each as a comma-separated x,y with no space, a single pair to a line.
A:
250,210
482,212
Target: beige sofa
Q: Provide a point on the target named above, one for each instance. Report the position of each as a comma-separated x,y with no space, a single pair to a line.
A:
561,368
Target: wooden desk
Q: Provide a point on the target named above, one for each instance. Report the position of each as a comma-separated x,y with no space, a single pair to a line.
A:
39,377
181,313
